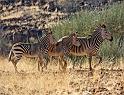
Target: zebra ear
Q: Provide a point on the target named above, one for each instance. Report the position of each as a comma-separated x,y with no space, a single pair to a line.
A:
75,41
50,31
89,36
103,26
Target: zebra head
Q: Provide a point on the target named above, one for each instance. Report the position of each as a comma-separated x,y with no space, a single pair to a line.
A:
47,39
51,38
104,33
71,40
75,41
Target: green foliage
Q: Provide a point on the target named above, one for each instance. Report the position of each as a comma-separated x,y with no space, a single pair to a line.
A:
84,23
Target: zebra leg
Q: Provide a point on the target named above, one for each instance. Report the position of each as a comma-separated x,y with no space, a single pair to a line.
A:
47,61
65,64
40,62
38,65
91,70
74,61
14,62
74,65
45,64
100,61
80,65
90,60
60,64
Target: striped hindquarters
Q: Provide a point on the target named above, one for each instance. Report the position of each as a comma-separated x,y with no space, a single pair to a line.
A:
20,49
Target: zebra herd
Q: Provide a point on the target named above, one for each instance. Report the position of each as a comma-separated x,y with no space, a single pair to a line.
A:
68,45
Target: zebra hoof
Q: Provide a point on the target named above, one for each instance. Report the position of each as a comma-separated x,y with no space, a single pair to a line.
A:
90,73
96,65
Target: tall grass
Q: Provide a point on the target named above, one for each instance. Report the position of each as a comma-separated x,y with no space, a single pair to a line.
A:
84,23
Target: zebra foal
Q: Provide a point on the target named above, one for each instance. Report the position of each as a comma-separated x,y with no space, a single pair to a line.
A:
90,46
19,50
62,47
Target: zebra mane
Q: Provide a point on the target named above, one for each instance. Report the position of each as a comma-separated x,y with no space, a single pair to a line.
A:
62,38
81,37
96,31
43,37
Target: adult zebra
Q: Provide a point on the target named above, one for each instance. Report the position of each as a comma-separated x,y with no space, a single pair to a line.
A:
31,50
62,47
90,46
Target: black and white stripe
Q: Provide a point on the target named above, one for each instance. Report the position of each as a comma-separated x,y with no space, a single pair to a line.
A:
61,48
90,46
30,50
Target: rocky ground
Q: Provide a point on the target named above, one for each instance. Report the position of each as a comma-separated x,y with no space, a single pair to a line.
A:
53,82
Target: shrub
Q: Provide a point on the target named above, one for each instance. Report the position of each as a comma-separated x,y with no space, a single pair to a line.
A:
85,22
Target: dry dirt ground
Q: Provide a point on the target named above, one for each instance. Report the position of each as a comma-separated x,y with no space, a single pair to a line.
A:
55,82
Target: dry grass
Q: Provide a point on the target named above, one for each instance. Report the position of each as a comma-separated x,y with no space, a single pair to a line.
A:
54,82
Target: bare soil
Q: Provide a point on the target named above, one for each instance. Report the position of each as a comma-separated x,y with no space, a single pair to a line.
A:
54,82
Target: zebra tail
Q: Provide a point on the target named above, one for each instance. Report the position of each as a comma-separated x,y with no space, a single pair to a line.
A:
10,55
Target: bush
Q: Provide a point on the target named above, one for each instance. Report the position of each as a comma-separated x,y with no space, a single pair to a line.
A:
85,22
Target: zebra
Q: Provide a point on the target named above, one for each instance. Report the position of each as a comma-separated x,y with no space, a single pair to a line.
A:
20,49
90,46
62,47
